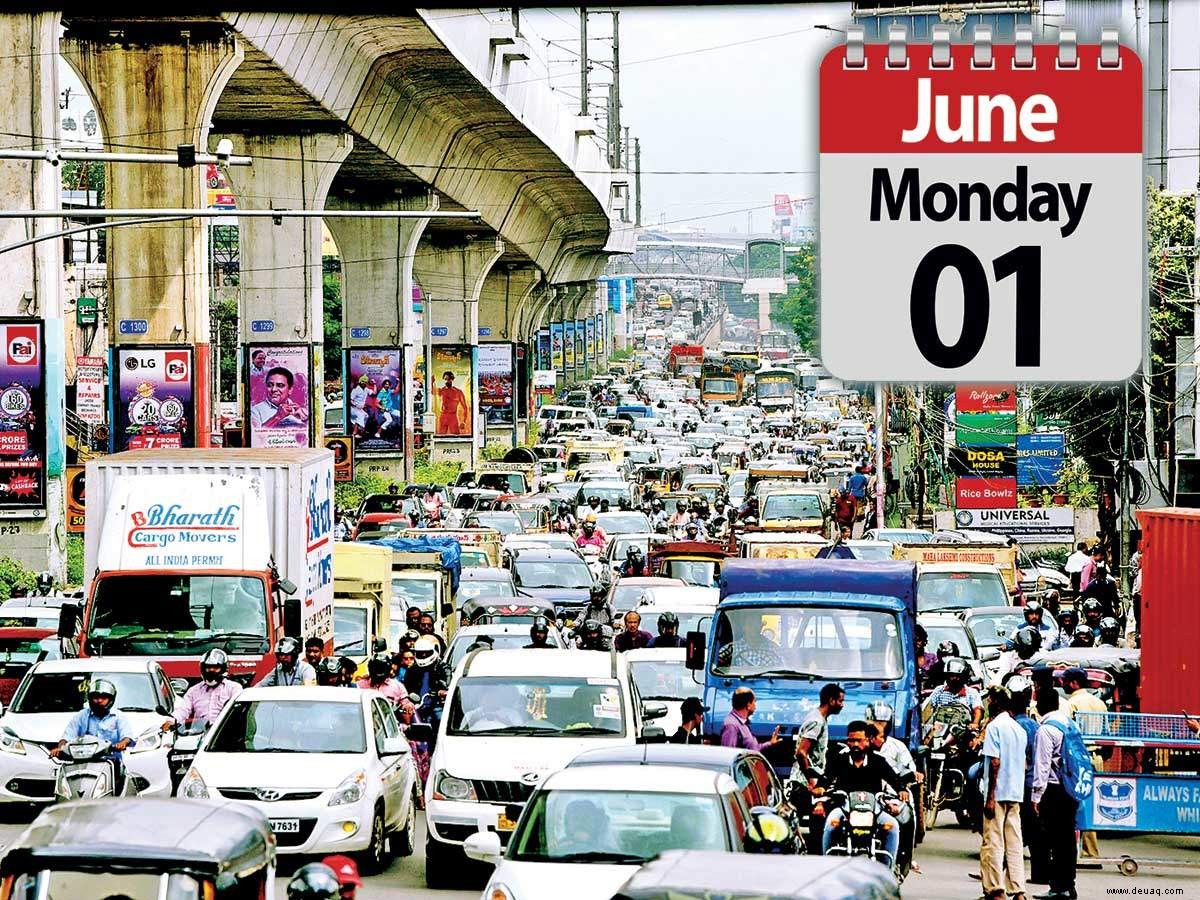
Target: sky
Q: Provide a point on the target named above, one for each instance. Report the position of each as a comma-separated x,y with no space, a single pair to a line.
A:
749,105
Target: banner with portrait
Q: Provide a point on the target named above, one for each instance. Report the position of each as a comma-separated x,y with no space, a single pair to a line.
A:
592,350
22,415
543,348
154,403
342,446
496,381
580,359
569,347
278,395
601,344
375,397
557,350
450,394
76,499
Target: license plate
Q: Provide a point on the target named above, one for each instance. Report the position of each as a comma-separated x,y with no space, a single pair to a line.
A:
504,823
285,826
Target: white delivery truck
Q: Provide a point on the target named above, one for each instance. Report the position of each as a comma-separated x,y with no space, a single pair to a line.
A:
191,549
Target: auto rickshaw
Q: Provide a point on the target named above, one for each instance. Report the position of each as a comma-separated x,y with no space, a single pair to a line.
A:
660,479
619,427
154,847
694,562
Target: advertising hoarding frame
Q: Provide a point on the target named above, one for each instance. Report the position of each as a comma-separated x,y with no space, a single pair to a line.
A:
124,400
254,385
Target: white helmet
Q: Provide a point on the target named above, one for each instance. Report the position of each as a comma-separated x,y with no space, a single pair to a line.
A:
426,650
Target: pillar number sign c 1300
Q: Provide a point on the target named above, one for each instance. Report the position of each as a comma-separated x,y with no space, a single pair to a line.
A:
981,209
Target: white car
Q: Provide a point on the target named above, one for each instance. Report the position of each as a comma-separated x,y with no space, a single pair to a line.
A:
588,829
501,635
661,676
329,767
511,718
53,691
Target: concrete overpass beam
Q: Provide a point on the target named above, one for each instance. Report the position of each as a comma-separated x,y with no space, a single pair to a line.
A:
281,281
377,288
157,90
451,280
32,283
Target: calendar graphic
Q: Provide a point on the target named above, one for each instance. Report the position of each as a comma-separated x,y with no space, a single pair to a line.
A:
981,209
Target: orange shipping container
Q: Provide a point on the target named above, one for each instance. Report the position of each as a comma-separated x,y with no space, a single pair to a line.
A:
1170,610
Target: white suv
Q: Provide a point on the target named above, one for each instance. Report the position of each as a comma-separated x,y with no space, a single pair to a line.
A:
511,718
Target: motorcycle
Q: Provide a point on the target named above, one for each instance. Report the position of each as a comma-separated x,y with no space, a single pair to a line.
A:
948,738
183,751
860,833
87,771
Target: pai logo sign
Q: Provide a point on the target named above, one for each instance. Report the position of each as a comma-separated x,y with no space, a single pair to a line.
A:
176,366
22,345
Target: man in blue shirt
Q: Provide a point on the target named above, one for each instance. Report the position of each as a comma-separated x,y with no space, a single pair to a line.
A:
856,484
101,720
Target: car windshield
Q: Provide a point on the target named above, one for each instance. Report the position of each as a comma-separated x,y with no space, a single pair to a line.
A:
659,679
18,650
460,645
350,631
938,633
818,641
774,389
559,573
408,592
986,629
382,503
613,493
700,572
608,826
177,615
66,692
47,618
92,885
875,552
476,559
623,523
469,590
536,706
290,726
959,590
503,522
530,516
720,385
781,507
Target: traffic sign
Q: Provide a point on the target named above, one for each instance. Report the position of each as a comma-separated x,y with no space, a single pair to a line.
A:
981,210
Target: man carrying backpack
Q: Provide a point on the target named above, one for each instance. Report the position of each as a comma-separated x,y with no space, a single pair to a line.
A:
1062,779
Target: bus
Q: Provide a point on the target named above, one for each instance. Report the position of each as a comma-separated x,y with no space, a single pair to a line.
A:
775,345
775,389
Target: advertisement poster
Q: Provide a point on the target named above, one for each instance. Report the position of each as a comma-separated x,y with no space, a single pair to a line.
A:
342,446
452,402
496,379
524,355
278,395
418,387
984,462
154,404
569,346
981,398
75,499
591,340
22,416
556,345
986,429
580,359
1042,525
376,394
1040,458
543,348
601,343
985,493
89,389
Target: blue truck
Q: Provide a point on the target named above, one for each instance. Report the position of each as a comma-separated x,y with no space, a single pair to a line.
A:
786,628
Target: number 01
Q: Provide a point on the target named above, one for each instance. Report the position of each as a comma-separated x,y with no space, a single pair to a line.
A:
1025,262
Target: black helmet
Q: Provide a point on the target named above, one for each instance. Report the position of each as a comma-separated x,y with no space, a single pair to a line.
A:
315,881
598,591
540,626
590,628
1085,631
656,504
1067,615
329,669
956,665
379,666
593,499
668,620
215,658
1092,606
286,645
45,581
634,552
946,649
1028,641
681,506
1033,606
1110,629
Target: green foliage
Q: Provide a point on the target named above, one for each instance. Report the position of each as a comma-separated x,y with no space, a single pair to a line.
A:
74,559
533,431
13,574
494,451
1052,556
332,291
80,175
349,494
437,473
798,310
224,315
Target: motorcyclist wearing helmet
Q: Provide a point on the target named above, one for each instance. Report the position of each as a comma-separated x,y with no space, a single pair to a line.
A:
598,605
1068,621
314,881
956,690
289,669
936,674
1035,616
564,522
539,635
1110,632
204,700
658,516
591,636
679,520
592,535
329,672
1104,590
428,675
1084,636
668,632
379,678
1093,612
694,531
1024,644
101,719
45,584
635,563
1051,601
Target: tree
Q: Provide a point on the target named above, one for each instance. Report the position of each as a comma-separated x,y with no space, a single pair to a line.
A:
332,288
798,310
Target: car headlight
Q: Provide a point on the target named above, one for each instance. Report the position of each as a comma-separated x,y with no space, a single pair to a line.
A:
500,891
10,743
447,787
193,786
350,790
148,740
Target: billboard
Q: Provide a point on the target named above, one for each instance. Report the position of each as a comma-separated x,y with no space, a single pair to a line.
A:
985,493
496,380
569,346
22,416
1042,525
278,395
981,398
543,348
614,295
342,446
580,335
557,350
986,429
601,345
984,462
154,403
591,340
375,389
89,388
452,402
76,499
1040,458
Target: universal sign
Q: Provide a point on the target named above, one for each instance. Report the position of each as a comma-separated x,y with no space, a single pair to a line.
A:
1043,525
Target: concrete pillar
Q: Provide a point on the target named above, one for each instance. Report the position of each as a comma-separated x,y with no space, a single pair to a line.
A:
504,291
154,91
451,280
32,282
281,283
764,311
377,287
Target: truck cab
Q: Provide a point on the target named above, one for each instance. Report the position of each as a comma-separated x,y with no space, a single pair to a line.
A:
361,601
425,574
784,628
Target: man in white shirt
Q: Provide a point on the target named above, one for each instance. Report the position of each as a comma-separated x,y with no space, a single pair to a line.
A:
1075,563
1001,857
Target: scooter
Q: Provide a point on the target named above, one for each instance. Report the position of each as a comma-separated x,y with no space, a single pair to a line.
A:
859,833
183,751
87,771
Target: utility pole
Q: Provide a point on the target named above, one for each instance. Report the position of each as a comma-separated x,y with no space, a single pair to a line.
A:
921,456
1122,474
1195,332
880,475
628,149
637,180
583,62
616,90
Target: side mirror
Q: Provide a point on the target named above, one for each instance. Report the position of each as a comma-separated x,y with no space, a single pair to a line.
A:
394,746
697,642
652,734
291,615
179,686
420,732
653,710
68,618
483,846
287,587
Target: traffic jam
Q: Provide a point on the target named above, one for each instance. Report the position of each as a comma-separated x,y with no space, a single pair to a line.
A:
748,655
